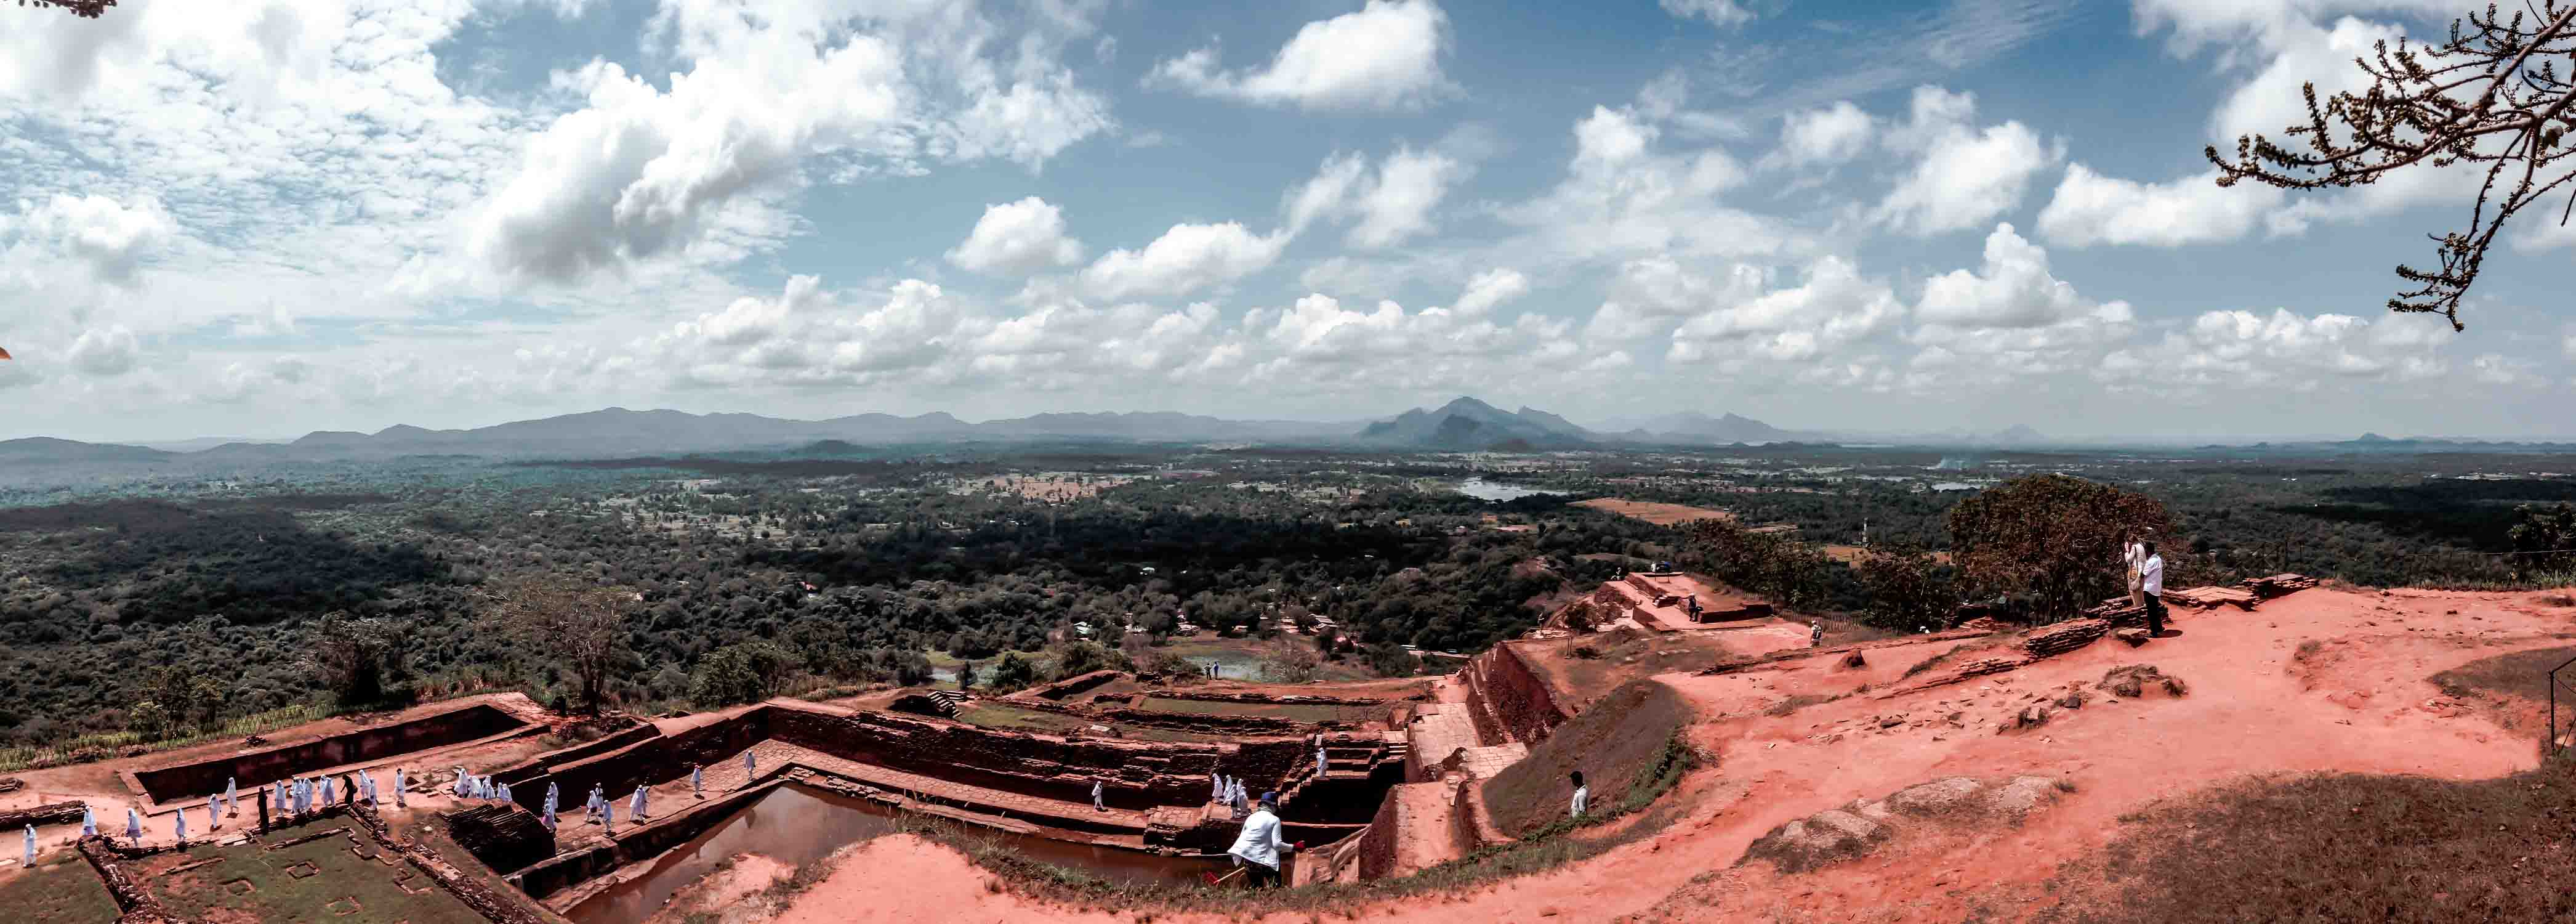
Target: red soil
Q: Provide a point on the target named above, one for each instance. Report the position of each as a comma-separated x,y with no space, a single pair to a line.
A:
2248,712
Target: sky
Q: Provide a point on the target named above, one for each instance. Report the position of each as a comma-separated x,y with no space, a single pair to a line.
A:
267,217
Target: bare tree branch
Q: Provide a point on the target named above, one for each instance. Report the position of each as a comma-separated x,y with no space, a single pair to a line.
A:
2497,93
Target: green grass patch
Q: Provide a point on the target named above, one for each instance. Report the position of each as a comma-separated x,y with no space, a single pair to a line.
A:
317,880
1294,712
2340,847
1617,742
991,714
62,889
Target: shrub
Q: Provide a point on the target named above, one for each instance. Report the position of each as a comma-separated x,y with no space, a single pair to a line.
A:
740,673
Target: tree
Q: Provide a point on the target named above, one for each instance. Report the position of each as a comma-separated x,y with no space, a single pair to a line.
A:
1074,659
1391,660
741,672
1906,587
2053,537
1012,672
580,625
2497,93
1292,663
353,658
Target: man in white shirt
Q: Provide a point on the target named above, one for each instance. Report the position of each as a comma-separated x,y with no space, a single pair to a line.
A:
1582,794
2151,587
1258,849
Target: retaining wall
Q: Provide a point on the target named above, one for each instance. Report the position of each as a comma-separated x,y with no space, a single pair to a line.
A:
1510,695
199,779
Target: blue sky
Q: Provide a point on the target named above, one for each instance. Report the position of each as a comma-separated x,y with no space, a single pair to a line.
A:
266,218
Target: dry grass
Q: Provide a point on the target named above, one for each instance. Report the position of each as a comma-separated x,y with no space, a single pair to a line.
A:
2522,674
2341,847
1615,742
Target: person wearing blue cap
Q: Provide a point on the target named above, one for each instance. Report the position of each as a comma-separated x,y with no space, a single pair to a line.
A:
1258,849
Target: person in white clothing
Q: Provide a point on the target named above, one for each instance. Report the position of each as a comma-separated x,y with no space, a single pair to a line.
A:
2133,556
1096,804
1582,794
1258,849
2151,585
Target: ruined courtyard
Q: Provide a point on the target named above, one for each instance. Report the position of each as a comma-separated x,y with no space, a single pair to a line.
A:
1915,778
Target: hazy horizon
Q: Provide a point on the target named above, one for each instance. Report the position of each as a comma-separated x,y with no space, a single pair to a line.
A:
302,215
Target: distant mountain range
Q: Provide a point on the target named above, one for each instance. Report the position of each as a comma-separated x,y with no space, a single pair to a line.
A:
1469,424
1463,424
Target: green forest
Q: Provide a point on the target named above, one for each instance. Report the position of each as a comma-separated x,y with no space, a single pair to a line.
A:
208,599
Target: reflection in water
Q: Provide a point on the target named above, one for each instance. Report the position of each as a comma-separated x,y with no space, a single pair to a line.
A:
797,825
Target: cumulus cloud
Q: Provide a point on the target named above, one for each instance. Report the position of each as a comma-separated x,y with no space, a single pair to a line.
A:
639,171
1018,238
1317,344
2014,290
1717,12
1383,56
1834,305
105,352
2089,208
1829,135
1490,288
2235,350
1649,296
1185,259
2498,369
1388,206
1962,176
108,239
1624,195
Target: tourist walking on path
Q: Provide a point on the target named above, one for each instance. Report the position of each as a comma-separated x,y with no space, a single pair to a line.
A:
1582,794
1258,848
1096,804
2151,586
1816,634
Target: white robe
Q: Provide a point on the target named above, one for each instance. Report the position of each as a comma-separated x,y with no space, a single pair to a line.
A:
1259,842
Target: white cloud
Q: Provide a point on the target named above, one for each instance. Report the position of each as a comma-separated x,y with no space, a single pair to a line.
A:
1834,306
1649,296
105,352
1490,288
1018,238
2498,369
1398,205
2230,351
1390,205
107,238
2014,291
2089,208
1964,177
1717,12
1386,55
1623,196
1829,135
1185,259
639,171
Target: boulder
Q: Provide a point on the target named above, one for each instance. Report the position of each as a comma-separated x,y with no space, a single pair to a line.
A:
2135,637
1935,797
2017,799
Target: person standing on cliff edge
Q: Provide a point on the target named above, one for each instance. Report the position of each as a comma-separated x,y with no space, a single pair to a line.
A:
1582,793
2151,585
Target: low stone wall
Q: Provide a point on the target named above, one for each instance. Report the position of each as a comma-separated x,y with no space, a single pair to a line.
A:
1271,700
202,778
1514,696
635,845
538,766
1070,686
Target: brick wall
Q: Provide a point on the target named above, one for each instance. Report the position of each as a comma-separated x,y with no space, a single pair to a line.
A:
1514,696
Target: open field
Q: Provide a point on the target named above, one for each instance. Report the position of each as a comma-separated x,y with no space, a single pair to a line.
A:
1660,514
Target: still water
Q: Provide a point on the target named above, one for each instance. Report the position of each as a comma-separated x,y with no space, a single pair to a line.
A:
1481,489
797,825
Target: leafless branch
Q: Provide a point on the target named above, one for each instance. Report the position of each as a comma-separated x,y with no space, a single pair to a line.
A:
2496,93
